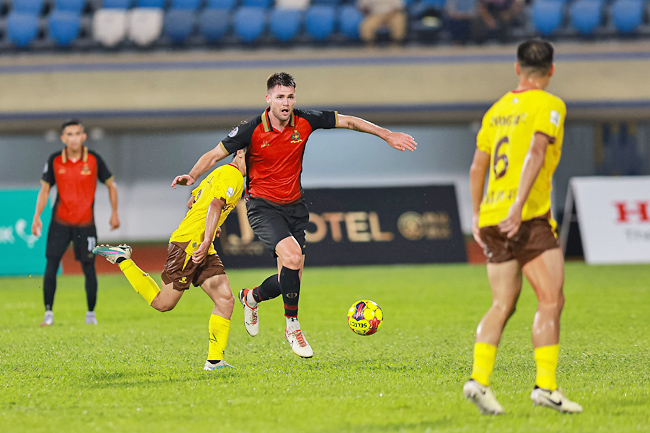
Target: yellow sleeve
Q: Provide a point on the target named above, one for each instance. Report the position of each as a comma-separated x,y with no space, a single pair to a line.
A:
550,117
227,184
483,141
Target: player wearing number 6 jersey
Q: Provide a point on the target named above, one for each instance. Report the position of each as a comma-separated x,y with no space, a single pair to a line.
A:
519,144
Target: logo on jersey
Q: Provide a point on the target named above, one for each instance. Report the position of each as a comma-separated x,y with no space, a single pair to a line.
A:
234,132
265,143
555,118
85,170
295,137
182,280
45,168
230,192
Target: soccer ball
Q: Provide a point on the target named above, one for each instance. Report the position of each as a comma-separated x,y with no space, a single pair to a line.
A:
365,317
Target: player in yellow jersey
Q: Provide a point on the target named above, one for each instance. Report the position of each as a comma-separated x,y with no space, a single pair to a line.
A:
519,144
191,257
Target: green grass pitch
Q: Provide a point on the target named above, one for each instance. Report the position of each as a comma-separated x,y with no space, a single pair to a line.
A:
141,371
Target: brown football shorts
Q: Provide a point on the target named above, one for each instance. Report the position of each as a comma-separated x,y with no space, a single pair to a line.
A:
194,273
533,238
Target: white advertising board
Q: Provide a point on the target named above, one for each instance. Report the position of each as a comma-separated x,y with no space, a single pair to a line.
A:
613,216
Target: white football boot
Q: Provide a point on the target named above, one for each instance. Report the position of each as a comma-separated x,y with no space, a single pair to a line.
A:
297,340
48,318
113,253
221,365
555,400
90,318
251,318
483,398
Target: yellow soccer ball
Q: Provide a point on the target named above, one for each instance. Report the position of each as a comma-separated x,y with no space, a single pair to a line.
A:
365,317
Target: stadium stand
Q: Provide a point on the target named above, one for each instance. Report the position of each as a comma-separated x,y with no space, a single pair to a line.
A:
76,6
547,16
22,28
350,19
179,24
257,3
292,4
213,25
220,4
109,26
144,25
586,15
150,4
627,15
117,4
64,27
33,7
285,24
319,22
249,23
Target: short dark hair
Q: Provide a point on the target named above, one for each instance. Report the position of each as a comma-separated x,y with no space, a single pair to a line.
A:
535,55
280,79
71,122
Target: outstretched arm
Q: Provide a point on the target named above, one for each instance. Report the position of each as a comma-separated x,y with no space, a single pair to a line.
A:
477,173
532,165
205,163
41,201
211,221
396,140
112,196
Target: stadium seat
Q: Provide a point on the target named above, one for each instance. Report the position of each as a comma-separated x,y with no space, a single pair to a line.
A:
627,15
179,24
117,4
64,27
438,4
319,22
75,6
213,24
33,7
186,5
249,23
220,4
586,15
326,2
257,3
285,24
145,25
109,26
292,4
350,20
22,28
150,4
547,16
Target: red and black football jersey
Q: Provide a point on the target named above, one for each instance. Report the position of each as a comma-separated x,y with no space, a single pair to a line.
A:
76,182
274,158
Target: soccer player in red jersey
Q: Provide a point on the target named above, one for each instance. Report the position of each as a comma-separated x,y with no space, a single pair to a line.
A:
275,143
75,171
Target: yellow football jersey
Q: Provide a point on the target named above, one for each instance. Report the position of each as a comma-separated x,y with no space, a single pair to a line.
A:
226,183
506,134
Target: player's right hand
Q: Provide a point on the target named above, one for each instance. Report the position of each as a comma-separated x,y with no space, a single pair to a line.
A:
37,227
183,179
476,231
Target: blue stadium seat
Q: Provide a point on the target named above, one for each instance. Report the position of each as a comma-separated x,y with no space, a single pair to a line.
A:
213,24
438,4
220,4
285,24
117,4
64,27
75,6
249,23
178,24
320,22
22,28
33,7
185,5
150,4
350,20
627,15
326,2
586,15
257,3
547,15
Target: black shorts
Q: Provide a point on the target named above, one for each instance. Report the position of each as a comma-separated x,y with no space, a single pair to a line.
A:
84,239
274,222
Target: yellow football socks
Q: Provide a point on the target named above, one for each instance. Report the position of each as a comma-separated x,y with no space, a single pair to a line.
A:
484,356
546,360
219,330
140,281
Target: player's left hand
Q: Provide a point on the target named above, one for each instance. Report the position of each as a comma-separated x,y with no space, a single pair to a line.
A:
114,221
183,179
401,141
199,255
511,223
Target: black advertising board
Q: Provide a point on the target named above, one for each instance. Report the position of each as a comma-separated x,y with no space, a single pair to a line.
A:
362,226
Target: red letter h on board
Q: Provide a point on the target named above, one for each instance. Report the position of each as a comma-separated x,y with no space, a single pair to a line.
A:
624,211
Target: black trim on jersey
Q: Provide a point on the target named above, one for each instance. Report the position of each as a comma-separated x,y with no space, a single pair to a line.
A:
318,119
103,173
243,137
